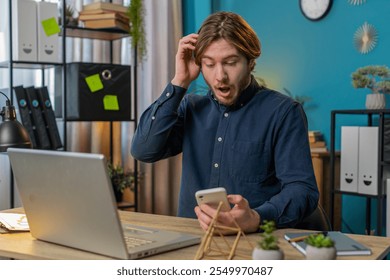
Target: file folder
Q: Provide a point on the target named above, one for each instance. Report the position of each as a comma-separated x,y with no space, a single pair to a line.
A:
37,117
49,117
24,112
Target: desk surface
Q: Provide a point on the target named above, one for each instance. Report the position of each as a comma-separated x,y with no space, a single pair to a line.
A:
24,246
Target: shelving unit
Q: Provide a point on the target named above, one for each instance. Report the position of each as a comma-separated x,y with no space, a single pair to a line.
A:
381,164
75,32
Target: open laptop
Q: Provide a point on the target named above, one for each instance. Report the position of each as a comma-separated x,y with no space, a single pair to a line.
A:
68,200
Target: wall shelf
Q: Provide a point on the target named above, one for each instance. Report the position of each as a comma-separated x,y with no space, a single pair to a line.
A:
99,34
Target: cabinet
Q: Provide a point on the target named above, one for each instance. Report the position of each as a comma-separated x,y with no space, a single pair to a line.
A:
379,117
321,166
74,32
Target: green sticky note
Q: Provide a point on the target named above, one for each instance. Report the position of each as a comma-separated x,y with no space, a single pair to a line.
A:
94,82
111,103
50,26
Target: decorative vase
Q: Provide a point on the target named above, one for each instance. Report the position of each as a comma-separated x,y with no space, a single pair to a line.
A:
314,253
375,101
260,254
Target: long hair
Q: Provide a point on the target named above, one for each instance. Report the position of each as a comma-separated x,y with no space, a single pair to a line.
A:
231,27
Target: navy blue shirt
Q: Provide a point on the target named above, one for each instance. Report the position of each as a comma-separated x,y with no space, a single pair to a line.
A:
258,148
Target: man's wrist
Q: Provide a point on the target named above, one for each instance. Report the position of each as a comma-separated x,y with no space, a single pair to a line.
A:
256,220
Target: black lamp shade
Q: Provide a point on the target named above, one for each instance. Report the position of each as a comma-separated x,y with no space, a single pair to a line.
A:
12,132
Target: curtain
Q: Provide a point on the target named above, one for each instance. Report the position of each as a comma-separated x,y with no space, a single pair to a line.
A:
163,26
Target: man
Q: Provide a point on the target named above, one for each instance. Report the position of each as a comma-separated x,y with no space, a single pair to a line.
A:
249,139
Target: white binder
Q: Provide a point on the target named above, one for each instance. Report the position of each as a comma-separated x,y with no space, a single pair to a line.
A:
24,32
368,160
47,45
349,158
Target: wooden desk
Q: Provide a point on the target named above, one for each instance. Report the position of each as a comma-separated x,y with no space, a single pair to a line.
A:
24,246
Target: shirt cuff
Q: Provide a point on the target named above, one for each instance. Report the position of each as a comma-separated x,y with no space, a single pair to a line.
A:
267,212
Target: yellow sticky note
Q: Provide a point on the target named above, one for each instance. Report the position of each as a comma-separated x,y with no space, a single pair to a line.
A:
50,26
94,82
111,103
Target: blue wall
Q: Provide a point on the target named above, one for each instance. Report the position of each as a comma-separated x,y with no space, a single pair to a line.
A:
312,59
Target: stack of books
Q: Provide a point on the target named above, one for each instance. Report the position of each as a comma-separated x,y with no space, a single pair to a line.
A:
317,143
104,15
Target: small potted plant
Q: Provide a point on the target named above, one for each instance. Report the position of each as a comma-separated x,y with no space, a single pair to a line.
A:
377,79
120,180
320,247
267,248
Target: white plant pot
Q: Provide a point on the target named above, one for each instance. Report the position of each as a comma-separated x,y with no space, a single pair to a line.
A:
375,101
314,253
260,254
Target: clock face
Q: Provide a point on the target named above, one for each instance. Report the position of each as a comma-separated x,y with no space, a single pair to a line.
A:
315,9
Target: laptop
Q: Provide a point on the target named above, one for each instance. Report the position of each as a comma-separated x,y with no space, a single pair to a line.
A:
68,200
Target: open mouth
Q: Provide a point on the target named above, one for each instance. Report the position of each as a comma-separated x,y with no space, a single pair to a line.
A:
224,89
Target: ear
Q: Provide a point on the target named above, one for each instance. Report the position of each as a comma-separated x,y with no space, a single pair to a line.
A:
252,64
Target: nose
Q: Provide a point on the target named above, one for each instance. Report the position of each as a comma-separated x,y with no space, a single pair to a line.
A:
220,73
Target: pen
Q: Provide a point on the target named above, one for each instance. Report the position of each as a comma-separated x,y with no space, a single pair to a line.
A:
303,237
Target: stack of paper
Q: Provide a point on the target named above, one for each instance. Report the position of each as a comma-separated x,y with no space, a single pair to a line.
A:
10,222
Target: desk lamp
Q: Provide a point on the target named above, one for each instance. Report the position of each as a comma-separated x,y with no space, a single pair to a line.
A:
12,132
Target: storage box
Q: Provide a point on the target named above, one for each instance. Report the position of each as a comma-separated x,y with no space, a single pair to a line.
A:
98,92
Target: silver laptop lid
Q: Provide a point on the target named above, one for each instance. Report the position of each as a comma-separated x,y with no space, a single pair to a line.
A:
79,210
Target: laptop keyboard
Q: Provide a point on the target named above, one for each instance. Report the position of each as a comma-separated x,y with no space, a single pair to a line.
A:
133,242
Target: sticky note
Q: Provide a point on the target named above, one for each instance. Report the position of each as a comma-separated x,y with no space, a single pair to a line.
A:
94,82
111,103
50,26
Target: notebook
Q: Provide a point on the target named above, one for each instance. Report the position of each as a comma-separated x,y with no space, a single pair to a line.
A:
68,200
345,246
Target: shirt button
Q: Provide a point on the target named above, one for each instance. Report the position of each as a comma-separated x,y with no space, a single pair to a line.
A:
226,115
167,94
153,118
219,139
216,165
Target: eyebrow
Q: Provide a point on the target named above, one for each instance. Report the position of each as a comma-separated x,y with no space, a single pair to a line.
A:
226,58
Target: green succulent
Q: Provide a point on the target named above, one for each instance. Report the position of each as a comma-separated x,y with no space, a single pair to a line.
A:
319,241
268,240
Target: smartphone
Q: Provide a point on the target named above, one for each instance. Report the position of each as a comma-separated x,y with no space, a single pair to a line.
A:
212,197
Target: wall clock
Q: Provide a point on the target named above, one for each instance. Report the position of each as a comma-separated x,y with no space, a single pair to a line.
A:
315,9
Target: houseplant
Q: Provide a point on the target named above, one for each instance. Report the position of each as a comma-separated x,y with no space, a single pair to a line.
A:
120,180
377,79
137,29
267,248
320,247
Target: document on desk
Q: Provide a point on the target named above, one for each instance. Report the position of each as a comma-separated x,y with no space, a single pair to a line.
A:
13,222
345,246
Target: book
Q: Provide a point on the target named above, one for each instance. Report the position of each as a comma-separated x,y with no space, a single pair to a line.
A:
107,23
10,222
111,15
345,246
105,6
318,149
